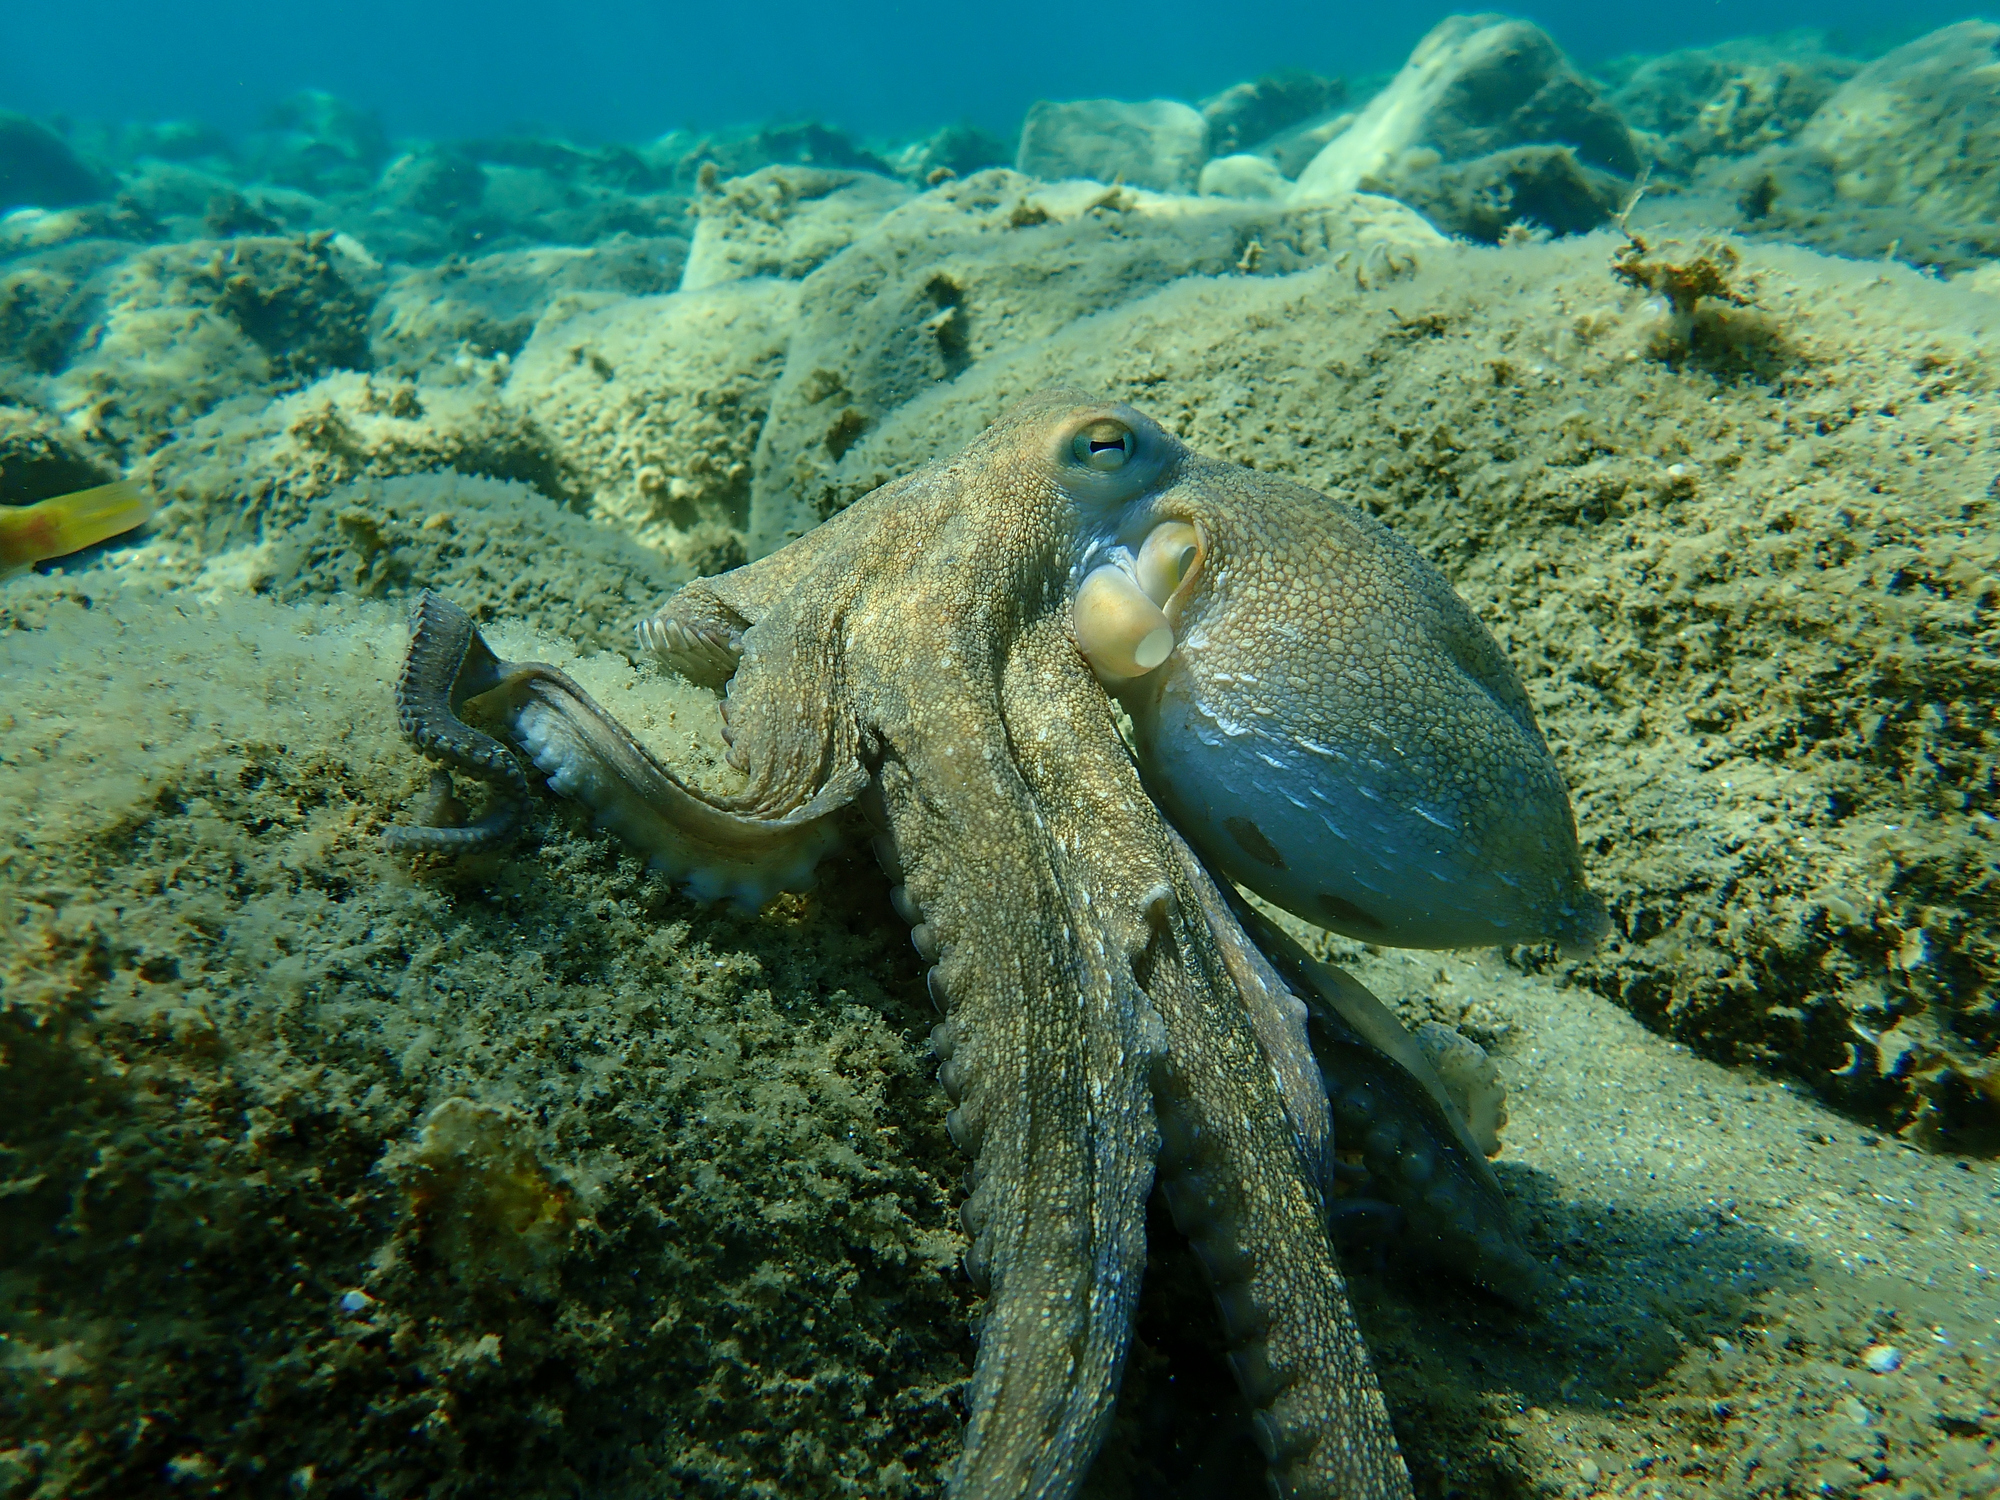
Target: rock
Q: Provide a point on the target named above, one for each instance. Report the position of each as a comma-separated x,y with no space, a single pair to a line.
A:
1243,176
1247,114
176,191
959,150
1896,163
461,534
319,143
438,182
1476,85
32,229
186,327
480,197
783,221
1542,186
1727,100
613,168
1161,144
974,269
38,169
681,156
1919,129
40,458
246,471
48,296
1292,151
649,408
438,320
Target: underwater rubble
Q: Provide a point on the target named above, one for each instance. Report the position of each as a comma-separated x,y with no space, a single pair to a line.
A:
327,1178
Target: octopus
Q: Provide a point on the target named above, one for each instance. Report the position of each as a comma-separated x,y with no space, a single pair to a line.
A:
1084,688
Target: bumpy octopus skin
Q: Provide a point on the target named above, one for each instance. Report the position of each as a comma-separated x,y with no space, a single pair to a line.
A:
944,656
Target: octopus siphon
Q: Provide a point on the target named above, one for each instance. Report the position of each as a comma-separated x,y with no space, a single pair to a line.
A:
1084,687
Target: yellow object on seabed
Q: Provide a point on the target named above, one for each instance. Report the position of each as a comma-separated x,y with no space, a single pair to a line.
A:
67,523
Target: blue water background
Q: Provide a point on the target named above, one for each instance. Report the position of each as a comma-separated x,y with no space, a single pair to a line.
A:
604,70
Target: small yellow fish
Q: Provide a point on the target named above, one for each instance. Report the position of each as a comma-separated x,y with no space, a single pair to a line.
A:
67,523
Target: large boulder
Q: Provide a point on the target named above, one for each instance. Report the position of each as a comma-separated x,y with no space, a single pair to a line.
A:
1487,111
444,318
1160,144
1919,129
783,221
1245,115
183,328
649,408
993,263
1700,103
38,169
1899,161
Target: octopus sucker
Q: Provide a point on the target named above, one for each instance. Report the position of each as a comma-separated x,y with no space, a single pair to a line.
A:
939,669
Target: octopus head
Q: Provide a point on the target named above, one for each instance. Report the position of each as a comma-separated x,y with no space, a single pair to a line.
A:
1313,705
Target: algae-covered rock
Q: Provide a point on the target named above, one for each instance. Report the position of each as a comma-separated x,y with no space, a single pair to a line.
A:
439,183
332,1174
428,319
515,553
319,143
1243,176
1727,100
956,151
1245,115
1919,129
185,327
1533,187
650,408
783,221
40,456
48,296
996,263
684,157
1475,89
249,472
1160,144
1896,162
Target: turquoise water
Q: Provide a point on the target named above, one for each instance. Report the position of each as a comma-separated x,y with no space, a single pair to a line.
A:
607,71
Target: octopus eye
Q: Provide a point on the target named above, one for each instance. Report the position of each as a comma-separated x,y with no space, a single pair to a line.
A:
1104,445
1166,559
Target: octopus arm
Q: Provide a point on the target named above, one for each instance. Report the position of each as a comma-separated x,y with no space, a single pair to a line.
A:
1233,1179
1230,1161
1390,1105
1275,1014
586,754
1047,1053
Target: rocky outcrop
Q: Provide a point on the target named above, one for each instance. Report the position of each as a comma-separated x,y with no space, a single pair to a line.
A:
1245,115
1161,144
783,221
650,408
1487,117
39,169
1899,161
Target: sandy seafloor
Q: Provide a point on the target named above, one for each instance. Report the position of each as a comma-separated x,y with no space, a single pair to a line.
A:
330,1173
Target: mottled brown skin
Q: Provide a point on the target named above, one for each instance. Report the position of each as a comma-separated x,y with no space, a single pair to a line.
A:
1101,1021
